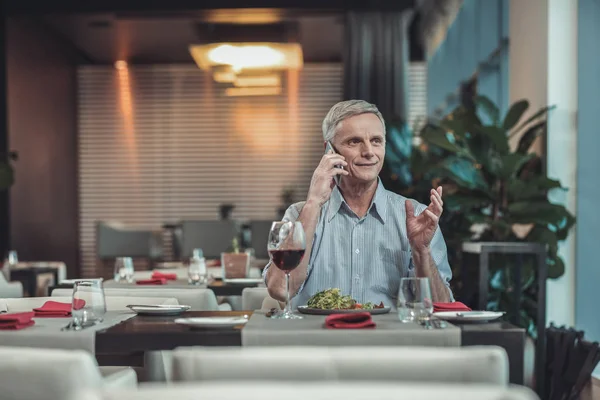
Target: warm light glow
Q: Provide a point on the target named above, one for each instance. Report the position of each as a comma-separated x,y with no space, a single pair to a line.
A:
243,56
260,80
121,64
240,57
224,76
253,91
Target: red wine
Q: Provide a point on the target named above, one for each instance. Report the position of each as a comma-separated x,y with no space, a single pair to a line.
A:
286,260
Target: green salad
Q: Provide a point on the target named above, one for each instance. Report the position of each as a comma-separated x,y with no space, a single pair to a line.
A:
332,299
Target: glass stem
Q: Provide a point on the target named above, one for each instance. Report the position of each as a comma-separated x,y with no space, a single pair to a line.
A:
288,306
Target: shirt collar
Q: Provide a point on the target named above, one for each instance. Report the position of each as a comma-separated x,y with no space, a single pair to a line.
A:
378,205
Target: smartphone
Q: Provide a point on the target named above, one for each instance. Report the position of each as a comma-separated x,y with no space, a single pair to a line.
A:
328,147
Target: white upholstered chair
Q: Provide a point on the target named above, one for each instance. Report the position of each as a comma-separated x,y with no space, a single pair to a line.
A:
316,391
50,374
113,303
198,299
258,299
477,364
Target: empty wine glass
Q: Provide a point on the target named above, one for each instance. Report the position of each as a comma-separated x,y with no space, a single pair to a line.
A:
414,300
124,269
89,304
286,246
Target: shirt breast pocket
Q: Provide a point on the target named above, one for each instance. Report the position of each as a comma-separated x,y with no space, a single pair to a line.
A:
396,261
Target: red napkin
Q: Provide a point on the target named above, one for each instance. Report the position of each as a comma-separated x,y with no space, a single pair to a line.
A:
55,309
17,320
349,321
213,263
162,275
455,306
153,281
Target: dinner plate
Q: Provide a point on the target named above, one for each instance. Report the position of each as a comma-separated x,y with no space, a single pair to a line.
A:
468,316
158,310
212,322
318,311
244,281
170,265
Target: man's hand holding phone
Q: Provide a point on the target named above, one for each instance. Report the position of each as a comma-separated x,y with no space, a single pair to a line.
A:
324,178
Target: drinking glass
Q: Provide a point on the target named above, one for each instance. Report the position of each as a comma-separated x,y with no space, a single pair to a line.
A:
197,273
124,269
414,300
89,304
286,246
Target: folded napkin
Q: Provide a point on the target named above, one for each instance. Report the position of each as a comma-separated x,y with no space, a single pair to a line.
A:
349,321
3,307
55,309
162,275
16,321
213,263
455,306
152,281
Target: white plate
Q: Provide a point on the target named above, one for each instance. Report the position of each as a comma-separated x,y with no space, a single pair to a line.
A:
159,310
318,311
466,316
212,322
170,265
244,281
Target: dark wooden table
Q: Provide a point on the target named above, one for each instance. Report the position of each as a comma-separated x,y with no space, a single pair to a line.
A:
140,334
28,276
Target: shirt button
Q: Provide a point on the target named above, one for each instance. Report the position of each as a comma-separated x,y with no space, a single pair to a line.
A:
357,251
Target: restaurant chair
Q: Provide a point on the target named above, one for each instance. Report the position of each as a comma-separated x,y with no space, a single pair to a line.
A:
315,391
114,239
473,364
10,289
197,299
51,374
213,237
113,303
258,299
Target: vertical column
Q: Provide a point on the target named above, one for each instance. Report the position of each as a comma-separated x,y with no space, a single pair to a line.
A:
4,195
543,70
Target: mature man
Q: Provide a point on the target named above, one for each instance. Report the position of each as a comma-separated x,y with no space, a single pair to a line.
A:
360,237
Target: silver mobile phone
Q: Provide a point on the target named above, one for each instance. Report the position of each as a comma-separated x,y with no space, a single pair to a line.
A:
328,147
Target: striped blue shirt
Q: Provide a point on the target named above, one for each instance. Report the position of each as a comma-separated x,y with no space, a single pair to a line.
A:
364,257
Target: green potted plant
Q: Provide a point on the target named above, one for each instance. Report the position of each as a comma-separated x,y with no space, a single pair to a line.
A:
7,175
235,264
499,192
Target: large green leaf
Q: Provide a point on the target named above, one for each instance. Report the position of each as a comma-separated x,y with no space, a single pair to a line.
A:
563,231
488,107
556,268
514,114
540,113
7,176
512,163
530,135
537,187
538,212
541,234
464,173
496,135
438,137
463,201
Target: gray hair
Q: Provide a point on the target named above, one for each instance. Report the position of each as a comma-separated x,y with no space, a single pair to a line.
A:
344,110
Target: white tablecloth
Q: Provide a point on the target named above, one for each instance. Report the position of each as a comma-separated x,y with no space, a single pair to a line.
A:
310,331
46,333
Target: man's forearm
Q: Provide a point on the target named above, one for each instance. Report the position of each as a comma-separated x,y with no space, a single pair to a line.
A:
425,267
275,278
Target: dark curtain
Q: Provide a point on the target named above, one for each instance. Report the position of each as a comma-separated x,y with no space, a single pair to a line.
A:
376,55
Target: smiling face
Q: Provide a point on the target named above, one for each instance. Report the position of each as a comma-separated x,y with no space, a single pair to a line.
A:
361,140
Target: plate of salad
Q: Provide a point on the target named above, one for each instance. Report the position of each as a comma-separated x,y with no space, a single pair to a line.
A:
331,301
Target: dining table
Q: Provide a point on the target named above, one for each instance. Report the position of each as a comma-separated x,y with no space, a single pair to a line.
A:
135,336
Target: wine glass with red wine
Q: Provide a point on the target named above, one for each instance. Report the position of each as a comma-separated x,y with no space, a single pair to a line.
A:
286,246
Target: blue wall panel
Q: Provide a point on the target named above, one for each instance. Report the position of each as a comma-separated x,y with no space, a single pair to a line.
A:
587,291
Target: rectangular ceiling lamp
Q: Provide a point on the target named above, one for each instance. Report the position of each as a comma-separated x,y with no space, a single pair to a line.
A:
258,80
248,56
252,91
